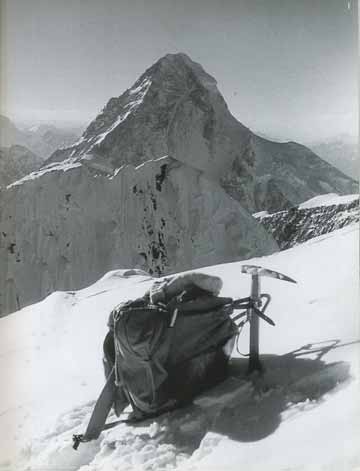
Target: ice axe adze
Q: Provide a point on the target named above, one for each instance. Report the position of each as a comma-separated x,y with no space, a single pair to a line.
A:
254,313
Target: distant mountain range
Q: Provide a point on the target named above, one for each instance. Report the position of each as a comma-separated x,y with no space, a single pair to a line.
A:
342,152
42,140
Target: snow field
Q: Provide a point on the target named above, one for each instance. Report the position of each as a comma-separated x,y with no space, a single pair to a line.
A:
301,414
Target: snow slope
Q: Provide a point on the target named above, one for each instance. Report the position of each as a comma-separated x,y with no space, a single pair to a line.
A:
303,414
328,200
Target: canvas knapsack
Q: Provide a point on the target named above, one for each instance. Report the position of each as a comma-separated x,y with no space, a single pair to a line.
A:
142,339
164,348
169,351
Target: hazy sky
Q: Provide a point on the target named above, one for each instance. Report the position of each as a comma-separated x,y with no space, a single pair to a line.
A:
287,68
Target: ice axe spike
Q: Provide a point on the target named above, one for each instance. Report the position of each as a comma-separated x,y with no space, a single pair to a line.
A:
253,313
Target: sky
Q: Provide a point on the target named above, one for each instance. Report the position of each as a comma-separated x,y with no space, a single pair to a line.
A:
287,68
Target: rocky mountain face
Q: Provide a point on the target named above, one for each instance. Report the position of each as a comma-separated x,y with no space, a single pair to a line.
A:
16,162
63,227
298,224
42,140
175,108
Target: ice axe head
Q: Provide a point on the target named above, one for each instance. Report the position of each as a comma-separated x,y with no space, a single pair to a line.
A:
260,271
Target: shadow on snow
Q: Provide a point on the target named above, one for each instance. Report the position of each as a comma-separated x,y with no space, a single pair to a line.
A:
249,408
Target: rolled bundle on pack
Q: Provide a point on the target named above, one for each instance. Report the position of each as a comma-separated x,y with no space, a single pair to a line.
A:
164,290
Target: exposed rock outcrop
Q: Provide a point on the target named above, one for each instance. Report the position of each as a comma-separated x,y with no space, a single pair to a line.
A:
64,227
299,224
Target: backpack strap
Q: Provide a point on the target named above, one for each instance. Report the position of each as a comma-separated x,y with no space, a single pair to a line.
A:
100,412
105,401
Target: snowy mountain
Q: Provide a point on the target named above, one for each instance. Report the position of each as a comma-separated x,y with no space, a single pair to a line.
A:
161,180
176,109
318,216
16,162
303,413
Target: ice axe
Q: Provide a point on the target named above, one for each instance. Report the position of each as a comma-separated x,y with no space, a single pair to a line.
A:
253,311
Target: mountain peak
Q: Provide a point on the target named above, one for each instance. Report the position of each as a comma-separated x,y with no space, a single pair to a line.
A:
147,111
178,63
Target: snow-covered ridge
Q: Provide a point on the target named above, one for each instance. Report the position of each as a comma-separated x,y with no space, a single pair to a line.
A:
133,98
115,113
328,200
63,166
73,162
319,215
149,162
142,88
139,92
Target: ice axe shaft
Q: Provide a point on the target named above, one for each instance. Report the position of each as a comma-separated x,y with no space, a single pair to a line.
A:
254,361
254,313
